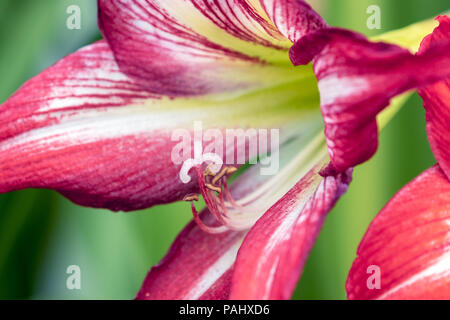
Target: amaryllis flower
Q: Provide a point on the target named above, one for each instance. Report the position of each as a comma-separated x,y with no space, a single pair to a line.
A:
98,127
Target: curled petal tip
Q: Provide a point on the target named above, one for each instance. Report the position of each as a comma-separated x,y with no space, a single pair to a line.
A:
357,79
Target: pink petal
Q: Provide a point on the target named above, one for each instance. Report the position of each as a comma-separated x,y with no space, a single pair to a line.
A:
192,47
198,266
293,18
356,79
82,128
409,243
272,256
437,100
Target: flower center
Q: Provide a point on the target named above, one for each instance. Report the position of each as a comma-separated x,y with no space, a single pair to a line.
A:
255,193
214,189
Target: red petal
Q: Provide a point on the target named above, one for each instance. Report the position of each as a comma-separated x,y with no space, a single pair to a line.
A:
437,100
272,256
356,79
174,48
198,266
192,47
294,18
85,129
409,241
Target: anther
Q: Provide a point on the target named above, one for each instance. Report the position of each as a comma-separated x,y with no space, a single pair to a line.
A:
231,170
208,171
213,188
191,197
219,176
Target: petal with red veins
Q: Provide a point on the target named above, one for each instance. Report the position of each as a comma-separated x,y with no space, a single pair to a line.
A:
437,100
273,253
191,47
356,79
408,243
67,130
87,130
293,18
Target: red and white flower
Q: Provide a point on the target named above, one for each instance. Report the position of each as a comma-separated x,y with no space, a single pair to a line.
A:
97,127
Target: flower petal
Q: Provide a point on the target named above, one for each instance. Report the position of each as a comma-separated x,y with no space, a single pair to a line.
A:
407,245
88,131
198,266
193,47
272,256
357,78
67,130
437,101
293,18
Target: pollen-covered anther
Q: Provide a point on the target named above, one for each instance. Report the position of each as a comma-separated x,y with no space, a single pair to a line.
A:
191,197
231,170
220,175
208,171
213,187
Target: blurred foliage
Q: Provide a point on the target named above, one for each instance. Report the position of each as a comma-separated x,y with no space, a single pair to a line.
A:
41,233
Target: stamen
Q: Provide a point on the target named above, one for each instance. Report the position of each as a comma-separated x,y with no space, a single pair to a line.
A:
230,214
231,170
224,211
208,171
229,196
191,197
219,176
208,197
204,227
222,205
213,188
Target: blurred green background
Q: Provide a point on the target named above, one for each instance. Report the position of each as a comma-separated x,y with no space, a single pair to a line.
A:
41,233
